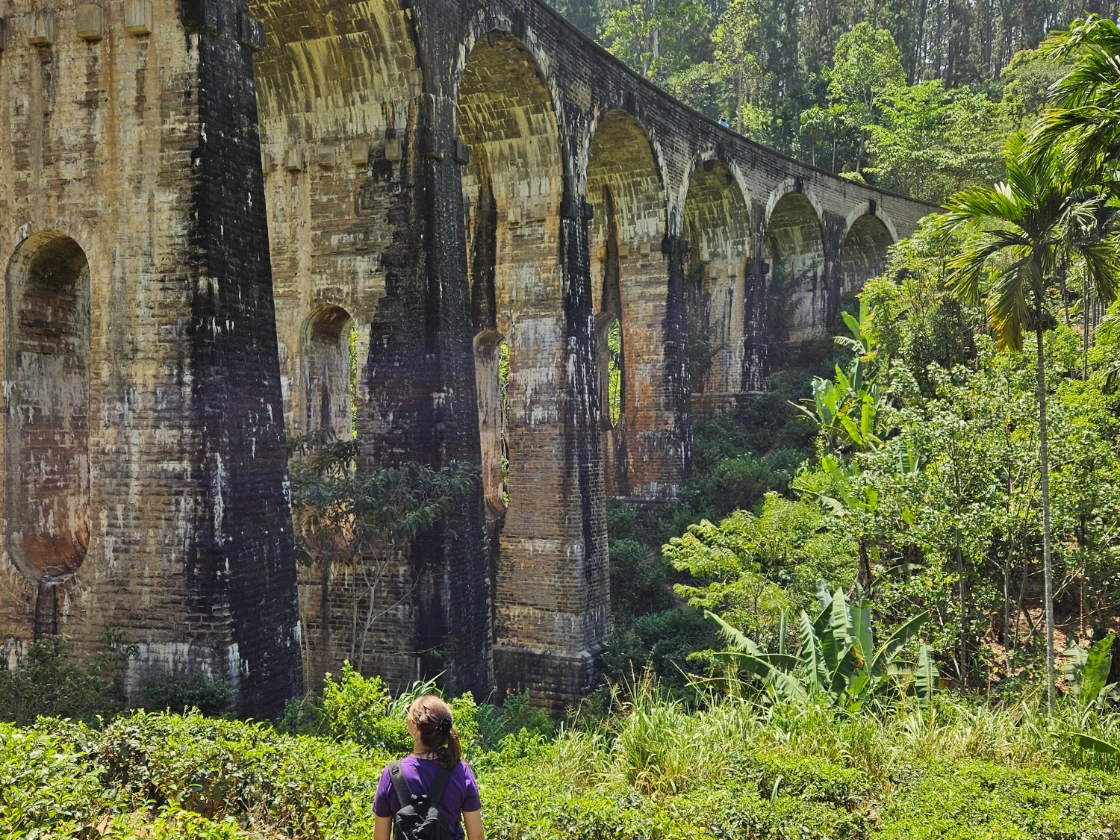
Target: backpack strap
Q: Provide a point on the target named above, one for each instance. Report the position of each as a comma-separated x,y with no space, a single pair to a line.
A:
400,785
439,785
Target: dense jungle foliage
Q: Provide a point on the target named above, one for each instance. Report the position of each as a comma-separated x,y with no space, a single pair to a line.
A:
884,606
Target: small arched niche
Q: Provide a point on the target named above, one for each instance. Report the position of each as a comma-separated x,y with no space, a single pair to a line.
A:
330,372
492,366
864,252
48,464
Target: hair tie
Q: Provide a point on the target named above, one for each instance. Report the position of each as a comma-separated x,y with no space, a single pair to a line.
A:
445,725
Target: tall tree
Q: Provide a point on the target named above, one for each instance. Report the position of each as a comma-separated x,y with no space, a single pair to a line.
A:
866,65
1019,230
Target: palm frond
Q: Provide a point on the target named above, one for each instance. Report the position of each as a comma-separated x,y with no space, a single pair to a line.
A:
1009,309
1102,263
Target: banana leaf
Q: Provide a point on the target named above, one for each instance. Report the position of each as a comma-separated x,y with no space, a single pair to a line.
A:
1092,744
735,637
780,682
812,656
834,637
861,628
1095,671
891,647
844,672
925,677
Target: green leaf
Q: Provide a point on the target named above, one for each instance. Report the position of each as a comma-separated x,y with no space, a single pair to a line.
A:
811,654
925,678
891,647
735,637
861,628
1092,744
782,630
1094,674
841,680
784,684
834,637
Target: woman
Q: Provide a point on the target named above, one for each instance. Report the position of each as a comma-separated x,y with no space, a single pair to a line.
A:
435,745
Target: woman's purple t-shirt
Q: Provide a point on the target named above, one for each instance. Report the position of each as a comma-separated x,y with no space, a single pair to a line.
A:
459,797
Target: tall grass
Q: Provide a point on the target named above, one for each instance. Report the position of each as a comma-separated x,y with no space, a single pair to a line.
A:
655,745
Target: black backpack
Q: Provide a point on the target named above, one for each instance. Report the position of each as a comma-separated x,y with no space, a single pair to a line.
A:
419,817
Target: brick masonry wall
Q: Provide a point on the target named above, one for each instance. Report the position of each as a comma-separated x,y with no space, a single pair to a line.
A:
494,136
140,149
434,171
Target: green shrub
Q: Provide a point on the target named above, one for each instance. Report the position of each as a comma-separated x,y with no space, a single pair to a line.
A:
662,642
359,709
50,686
654,769
312,787
978,801
176,693
517,716
639,579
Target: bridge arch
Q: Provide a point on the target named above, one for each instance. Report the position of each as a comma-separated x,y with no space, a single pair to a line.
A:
794,263
864,249
629,271
335,60
717,230
512,188
47,440
337,86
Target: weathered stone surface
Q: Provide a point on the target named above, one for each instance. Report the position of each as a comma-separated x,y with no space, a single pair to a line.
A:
141,409
439,178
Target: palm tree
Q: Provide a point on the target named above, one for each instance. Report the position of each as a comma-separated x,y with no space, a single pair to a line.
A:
1018,231
1083,120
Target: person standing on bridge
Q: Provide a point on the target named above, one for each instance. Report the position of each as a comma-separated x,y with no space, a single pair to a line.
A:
430,794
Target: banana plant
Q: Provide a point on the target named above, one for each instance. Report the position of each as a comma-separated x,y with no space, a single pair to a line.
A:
837,660
847,408
1087,672
1107,752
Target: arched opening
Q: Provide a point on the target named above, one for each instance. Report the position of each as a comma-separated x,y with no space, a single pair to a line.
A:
512,188
609,353
337,86
863,254
330,380
717,229
630,289
492,364
797,290
549,605
48,464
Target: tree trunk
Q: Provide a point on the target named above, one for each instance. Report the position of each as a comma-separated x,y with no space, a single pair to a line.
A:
1086,326
964,648
863,578
1047,575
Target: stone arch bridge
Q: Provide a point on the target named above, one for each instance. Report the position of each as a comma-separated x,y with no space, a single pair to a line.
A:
208,207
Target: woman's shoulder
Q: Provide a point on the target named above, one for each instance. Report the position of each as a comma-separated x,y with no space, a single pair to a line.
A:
463,769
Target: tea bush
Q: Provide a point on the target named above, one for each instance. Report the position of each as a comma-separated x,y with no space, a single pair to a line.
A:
179,694
652,768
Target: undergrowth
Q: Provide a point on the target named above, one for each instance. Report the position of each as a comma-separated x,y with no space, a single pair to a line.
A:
643,766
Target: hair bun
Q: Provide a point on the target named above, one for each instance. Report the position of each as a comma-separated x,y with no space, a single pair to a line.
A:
445,724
